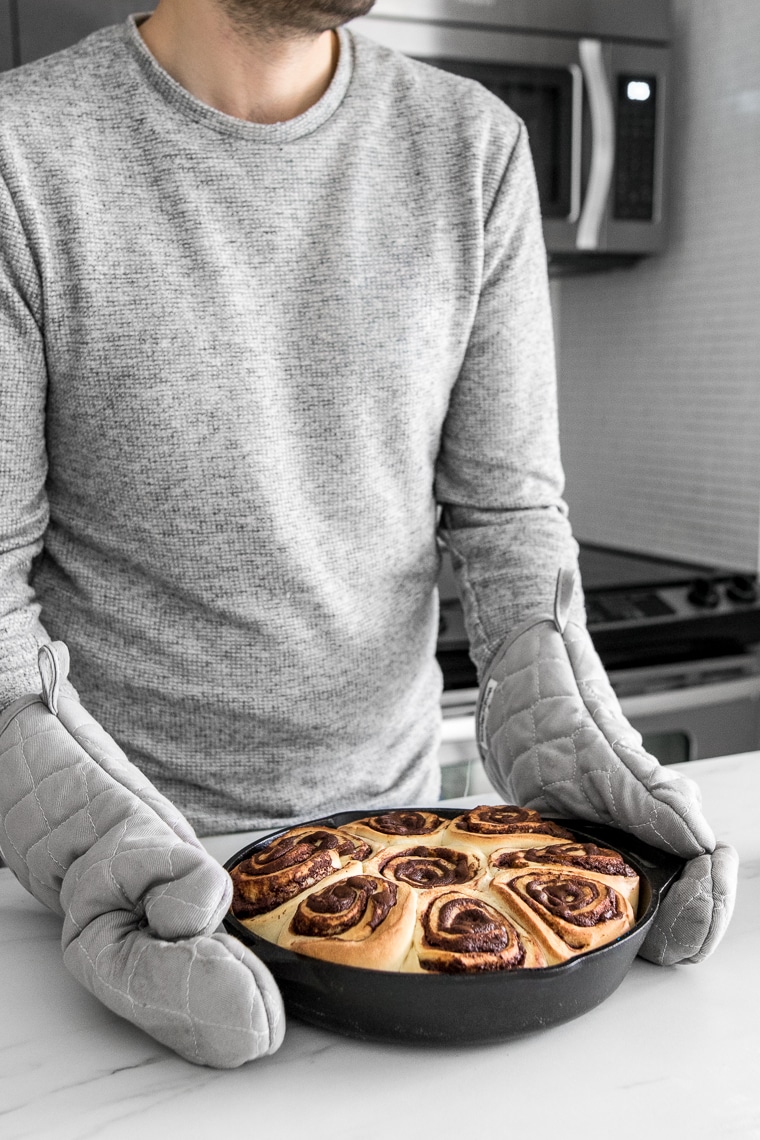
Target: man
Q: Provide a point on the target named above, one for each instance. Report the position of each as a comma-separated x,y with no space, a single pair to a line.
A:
274,319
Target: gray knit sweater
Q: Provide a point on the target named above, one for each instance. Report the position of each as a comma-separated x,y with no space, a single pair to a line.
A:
249,374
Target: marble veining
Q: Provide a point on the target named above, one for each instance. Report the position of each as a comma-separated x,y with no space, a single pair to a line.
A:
673,1052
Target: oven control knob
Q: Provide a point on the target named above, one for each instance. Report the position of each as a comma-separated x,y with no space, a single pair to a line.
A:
704,594
742,588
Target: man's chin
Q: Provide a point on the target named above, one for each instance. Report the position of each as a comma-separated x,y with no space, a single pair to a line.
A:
293,17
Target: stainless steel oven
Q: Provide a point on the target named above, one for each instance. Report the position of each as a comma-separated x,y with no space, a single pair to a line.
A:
681,645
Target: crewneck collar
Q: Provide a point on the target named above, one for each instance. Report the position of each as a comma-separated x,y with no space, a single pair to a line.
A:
181,99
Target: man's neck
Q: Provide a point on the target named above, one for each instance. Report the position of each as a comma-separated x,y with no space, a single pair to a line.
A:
257,79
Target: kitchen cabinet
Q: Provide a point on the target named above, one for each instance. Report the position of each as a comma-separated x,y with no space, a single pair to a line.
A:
45,26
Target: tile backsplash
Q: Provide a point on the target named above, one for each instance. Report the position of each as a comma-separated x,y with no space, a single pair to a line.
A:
659,365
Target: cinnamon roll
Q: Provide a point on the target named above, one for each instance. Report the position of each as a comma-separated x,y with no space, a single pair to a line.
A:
462,932
504,825
401,825
600,863
289,865
566,911
360,920
427,868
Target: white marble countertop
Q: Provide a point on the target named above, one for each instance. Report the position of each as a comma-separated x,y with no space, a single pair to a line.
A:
672,1053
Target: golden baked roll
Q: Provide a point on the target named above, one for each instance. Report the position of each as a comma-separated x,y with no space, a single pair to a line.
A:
427,868
601,863
401,825
359,920
504,825
566,911
289,865
463,932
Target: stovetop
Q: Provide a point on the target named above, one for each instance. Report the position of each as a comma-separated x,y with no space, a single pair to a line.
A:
628,590
642,609
605,568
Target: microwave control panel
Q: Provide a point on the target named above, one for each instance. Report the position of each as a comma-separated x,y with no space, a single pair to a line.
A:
634,186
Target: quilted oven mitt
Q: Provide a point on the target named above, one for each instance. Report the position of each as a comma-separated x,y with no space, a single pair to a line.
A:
87,834
554,738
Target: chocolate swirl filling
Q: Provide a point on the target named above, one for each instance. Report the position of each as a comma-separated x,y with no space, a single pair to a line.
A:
583,856
463,926
572,899
288,865
428,867
507,819
404,822
343,906
292,850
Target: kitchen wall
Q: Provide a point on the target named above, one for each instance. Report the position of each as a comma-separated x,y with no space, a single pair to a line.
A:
660,364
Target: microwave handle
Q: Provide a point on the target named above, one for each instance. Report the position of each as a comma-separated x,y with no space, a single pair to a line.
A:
576,140
603,144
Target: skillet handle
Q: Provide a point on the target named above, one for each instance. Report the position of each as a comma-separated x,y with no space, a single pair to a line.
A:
662,878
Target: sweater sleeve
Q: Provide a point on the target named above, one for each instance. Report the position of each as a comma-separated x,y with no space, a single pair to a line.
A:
499,478
23,458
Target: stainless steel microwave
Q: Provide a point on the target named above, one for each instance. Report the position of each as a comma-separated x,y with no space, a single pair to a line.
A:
591,80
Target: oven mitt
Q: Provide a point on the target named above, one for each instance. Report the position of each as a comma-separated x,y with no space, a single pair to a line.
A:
88,835
554,738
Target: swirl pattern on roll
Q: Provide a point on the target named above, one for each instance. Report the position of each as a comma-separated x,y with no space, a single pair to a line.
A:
465,934
428,868
583,856
357,904
492,821
403,822
288,865
401,825
566,911
358,920
569,898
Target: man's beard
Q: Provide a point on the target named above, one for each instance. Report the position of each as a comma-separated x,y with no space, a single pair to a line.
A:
278,19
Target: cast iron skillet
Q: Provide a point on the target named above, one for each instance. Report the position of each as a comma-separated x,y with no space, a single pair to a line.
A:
456,1009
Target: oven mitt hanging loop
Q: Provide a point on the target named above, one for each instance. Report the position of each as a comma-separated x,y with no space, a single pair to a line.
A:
554,738
90,837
